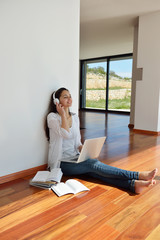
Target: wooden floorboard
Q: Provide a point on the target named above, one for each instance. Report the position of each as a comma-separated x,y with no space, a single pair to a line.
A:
104,212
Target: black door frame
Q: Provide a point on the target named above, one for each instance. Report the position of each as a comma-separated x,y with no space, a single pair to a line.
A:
107,58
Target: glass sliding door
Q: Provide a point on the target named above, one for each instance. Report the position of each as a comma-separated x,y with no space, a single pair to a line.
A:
94,85
106,83
120,78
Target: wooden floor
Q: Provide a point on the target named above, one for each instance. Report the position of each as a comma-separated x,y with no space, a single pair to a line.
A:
104,212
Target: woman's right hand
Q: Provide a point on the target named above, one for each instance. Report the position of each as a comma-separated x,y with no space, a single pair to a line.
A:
62,113
60,110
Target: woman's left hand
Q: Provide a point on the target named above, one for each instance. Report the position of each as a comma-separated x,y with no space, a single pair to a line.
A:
80,148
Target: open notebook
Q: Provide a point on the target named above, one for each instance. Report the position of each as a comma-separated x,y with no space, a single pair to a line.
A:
91,149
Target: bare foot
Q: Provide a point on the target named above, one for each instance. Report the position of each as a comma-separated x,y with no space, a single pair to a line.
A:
140,185
148,175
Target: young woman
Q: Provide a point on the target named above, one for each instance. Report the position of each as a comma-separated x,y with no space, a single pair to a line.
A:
63,132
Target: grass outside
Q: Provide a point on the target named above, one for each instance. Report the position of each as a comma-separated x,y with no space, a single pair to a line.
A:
116,104
120,103
110,88
101,104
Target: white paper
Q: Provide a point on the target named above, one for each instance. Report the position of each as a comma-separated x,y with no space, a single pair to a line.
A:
40,176
61,189
76,186
70,186
44,176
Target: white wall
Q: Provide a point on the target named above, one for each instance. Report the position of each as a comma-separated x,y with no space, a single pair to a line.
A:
147,114
39,48
136,75
98,39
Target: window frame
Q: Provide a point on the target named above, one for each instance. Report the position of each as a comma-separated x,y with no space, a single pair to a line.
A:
108,59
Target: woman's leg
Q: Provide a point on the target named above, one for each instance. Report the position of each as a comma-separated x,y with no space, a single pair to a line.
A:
128,184
90,168
111,175
136,186
99,168
140,185
108,174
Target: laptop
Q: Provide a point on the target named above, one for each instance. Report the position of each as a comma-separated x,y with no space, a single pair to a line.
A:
91,149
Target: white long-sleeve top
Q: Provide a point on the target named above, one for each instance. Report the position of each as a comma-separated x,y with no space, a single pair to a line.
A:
58,134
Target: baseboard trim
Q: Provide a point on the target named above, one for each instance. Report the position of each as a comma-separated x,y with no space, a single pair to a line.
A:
21,174
146,132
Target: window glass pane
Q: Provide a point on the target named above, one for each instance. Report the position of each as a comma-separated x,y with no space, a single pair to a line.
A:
95,96
120,78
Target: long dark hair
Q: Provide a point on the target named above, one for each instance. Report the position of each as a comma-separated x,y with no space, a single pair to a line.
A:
52,108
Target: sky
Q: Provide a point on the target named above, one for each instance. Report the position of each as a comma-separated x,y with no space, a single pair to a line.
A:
122,68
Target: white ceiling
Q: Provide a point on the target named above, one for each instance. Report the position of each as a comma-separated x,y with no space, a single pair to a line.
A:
92,10
107,25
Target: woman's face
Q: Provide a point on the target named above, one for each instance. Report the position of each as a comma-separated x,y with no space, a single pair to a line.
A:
65,99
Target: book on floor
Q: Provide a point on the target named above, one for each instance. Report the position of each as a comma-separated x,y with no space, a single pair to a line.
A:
45,179
71,186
